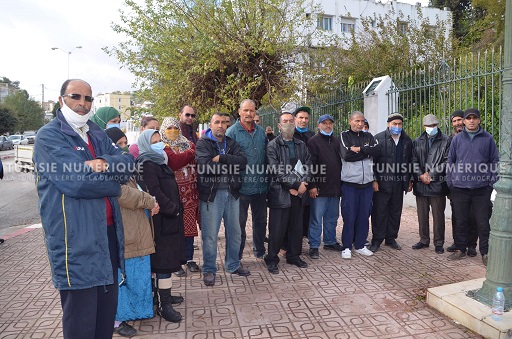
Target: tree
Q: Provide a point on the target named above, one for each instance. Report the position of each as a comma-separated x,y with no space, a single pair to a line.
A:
28,112
15,84
7,121
212,53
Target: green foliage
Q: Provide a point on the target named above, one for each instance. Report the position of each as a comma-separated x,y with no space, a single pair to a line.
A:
211,53
383,45
7,121
28,112
55,108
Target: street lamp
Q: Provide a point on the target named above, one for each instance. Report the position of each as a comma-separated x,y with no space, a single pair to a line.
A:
67,52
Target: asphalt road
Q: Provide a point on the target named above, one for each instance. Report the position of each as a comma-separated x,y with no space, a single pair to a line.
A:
18,197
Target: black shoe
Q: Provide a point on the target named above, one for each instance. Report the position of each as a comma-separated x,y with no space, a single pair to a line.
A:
243,272
181,273
313,253
298,262
336,247
394,245
125,330
471,252
457,255
192,266
451,248
176,299
439,249
209,279
420,245
374,247
272,268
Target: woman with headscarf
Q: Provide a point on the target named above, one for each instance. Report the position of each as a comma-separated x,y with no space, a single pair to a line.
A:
159,180
181,159
135,301
106,117
147,122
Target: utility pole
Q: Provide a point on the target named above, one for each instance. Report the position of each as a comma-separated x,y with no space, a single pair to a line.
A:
499,266
68,53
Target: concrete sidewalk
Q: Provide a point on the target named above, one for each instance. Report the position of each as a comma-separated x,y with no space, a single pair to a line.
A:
382,296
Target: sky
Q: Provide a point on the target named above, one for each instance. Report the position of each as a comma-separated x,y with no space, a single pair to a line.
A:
30,28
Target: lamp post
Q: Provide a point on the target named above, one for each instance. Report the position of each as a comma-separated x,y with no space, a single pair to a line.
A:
499,266
67,52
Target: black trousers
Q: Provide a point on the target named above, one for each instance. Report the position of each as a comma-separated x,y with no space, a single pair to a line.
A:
280,221
386,213
476,200
423,205
473,231
90,313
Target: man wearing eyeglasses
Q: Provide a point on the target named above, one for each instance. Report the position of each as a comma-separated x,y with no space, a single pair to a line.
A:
470,174
78,176
187,123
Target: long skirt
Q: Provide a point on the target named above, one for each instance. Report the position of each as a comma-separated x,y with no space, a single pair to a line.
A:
135,296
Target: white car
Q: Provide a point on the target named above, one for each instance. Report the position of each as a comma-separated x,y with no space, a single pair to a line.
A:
18,139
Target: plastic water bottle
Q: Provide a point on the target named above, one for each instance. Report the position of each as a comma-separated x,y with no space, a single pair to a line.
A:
498,304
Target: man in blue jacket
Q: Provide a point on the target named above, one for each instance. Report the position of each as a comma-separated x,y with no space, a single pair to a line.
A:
253,142
78,177
472,170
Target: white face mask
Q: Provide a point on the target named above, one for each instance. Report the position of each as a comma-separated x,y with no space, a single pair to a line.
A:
431,130
74,119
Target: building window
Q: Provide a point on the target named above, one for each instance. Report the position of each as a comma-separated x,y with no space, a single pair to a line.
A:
325,23
402,27
119,100
119,107
346,27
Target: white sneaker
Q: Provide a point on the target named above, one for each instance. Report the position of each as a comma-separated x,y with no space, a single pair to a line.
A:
346,254
364,251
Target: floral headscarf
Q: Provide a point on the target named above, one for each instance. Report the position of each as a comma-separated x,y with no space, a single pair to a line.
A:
181,142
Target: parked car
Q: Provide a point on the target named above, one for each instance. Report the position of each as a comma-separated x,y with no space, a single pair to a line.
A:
5,143
31,136
18,139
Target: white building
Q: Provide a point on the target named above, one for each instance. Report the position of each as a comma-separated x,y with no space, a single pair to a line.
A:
121,102
340,17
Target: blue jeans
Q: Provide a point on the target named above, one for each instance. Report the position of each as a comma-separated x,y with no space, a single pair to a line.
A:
258,203
328,210
223,207
356,206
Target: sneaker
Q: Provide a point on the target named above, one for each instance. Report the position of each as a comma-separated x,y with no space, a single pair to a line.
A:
484,259
457,255
472,252
313,253
335,247
125,330
346,254
364,251
192,266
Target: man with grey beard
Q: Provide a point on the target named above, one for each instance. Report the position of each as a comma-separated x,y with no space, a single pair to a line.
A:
287,193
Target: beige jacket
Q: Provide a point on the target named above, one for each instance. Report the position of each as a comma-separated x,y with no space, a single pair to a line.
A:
138,235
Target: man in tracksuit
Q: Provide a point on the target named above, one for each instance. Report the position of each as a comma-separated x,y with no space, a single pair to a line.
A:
472,170
357,150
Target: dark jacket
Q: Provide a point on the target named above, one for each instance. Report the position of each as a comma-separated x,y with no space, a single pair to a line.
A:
386,170
303,136
325,156
168,230
189,132
357,168
254,145
282,177
72,203
209,173
432,160
472,163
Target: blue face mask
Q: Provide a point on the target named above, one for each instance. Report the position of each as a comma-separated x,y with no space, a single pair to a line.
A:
113,125
395,130
302,130
431,131
325,133
158,147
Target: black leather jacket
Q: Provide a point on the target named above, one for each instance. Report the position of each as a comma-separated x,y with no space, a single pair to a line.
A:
209,173
282,178
431,160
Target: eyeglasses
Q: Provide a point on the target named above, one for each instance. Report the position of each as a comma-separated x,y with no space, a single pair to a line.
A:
78,97
188,115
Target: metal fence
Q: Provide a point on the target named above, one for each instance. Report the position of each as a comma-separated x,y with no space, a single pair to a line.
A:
470,81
